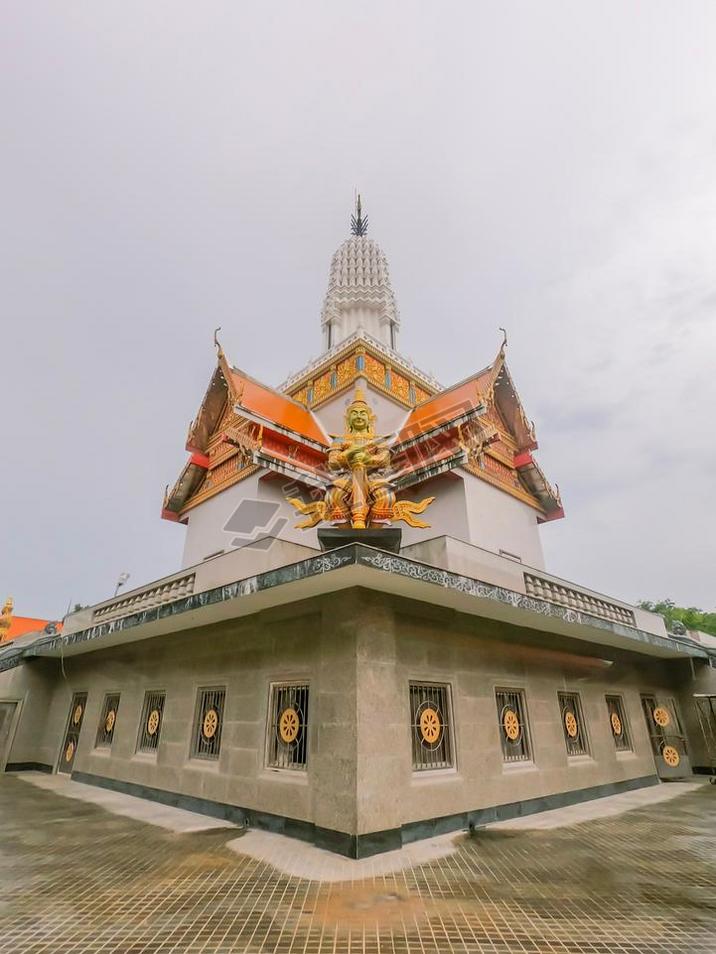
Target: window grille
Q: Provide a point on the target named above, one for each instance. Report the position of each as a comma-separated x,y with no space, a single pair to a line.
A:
430,726
618,723
107,721
512,720
288,727
664,725
150,726
206,741
572,718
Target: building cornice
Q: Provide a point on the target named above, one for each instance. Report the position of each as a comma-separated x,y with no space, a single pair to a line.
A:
356,565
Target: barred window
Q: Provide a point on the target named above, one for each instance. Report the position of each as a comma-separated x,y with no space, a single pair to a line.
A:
430,724
512,720
618,723
206,740
107,721
573,726
150,726
288,727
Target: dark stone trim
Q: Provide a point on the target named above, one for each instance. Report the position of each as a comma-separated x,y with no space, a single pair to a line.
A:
352,555
29,767
372,843
340,842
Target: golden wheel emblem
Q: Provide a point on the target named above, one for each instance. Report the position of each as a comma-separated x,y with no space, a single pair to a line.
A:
430,725
153,722
570,724
288,725
616,724
511,724
109,721
69,751
211,724
77,714
661,716
670,755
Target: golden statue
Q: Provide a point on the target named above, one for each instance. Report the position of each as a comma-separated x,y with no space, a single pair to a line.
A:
360,495
6,618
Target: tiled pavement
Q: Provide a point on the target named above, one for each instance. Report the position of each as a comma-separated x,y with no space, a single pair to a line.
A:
75,878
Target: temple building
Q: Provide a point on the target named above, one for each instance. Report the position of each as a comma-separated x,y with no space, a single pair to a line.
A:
362,646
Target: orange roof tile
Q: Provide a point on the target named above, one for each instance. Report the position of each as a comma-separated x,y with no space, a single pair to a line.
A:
21,625
444,407
272,407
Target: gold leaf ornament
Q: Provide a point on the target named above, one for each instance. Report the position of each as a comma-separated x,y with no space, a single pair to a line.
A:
288,725
430,725
153,722
210,724
511,724
671,756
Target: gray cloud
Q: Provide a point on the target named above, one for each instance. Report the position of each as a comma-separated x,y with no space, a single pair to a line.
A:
167,168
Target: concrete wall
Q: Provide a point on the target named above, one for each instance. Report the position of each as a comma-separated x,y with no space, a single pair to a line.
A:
245,657
702,738
43,700
474,660
358,651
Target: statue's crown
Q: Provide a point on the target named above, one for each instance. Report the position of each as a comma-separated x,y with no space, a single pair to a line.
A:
358,399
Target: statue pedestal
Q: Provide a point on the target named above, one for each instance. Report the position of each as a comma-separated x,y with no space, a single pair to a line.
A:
384,538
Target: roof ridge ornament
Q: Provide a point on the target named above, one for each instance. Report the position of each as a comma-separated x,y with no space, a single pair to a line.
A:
359,222
217,343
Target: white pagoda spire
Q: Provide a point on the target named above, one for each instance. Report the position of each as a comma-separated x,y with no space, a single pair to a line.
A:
359,296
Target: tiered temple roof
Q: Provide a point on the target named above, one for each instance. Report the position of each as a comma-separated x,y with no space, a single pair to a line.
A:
478,424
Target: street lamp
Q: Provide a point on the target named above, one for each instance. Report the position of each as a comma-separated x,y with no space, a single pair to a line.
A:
123,577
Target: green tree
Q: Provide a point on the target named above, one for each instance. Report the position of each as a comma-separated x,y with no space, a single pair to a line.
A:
690,616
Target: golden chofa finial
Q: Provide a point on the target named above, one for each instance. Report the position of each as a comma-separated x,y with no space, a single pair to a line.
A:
6,618
217,343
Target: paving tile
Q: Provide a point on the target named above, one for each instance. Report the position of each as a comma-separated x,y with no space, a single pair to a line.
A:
74,878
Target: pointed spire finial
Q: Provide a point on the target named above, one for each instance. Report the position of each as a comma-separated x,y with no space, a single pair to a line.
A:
217,343
359,222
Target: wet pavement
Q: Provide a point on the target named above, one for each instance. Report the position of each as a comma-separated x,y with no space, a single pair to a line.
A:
75,878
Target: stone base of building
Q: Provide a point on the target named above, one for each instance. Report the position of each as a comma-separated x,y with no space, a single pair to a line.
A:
371,843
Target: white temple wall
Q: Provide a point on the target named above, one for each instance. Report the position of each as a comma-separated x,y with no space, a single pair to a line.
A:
206,534
447,514
389,415
472,510
499,522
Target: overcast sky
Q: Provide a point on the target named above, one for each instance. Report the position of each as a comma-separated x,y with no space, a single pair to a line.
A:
171,167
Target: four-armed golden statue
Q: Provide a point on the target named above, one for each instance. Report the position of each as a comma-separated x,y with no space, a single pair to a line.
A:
360,495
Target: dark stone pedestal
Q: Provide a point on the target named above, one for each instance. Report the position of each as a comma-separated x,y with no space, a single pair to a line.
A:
384,538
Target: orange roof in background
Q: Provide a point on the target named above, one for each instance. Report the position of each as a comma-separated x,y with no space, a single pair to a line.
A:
273,407
445,406
21,625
